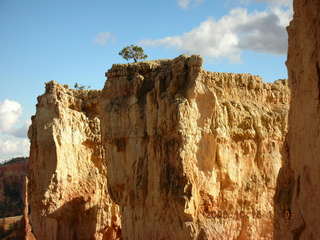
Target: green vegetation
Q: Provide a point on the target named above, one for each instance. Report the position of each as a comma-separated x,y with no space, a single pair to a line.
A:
81,87
133,52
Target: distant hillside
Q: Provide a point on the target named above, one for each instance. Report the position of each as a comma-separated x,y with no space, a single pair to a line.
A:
14,160
12,228
12,175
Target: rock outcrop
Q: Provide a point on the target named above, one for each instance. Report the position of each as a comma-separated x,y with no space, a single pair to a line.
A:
67,191
192,154
298,195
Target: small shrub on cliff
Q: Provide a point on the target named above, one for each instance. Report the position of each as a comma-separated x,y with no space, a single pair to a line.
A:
133,52
81,87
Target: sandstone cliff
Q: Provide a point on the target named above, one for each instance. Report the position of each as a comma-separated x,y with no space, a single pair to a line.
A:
192,154
298,195
67,191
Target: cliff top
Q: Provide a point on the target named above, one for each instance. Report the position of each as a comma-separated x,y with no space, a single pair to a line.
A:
118,70
122,70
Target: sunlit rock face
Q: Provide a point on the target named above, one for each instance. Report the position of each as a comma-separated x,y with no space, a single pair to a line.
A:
192,154
298,193
67,190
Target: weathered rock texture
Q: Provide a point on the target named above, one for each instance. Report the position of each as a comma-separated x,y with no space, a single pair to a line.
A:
68,197
298,193
192,154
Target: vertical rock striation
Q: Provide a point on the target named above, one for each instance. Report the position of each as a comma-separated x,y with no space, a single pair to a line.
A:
298,195
68,198
192,154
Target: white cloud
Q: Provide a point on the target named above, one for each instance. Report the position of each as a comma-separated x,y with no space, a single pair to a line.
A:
10,111
21,131
13,133
11,147
277,2
186,3
103,38
260,31
286,3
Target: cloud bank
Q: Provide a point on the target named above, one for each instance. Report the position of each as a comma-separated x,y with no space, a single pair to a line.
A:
13,133
10,112
11,147
239,30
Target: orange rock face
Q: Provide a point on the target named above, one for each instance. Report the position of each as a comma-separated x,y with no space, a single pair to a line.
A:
192,154
165,151
67,191
298,195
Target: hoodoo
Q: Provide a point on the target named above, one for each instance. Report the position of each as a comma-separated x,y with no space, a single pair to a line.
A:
298,194
67,190
192,154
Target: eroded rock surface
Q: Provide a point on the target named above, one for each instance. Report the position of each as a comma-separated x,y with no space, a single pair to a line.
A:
67,191
298,195
192,154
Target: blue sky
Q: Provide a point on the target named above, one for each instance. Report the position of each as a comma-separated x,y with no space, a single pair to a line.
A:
78,40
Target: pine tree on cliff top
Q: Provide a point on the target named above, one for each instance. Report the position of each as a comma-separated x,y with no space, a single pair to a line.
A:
134,52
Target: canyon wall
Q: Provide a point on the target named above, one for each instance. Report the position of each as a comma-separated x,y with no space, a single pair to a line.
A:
192,154
67,191
297,200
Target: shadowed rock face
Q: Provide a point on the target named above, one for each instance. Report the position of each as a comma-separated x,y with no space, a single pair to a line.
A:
298,194
192,154
68,197
12,191
12,175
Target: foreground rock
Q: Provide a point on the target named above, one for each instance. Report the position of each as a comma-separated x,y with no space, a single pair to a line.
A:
192,154
298,193
67,191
